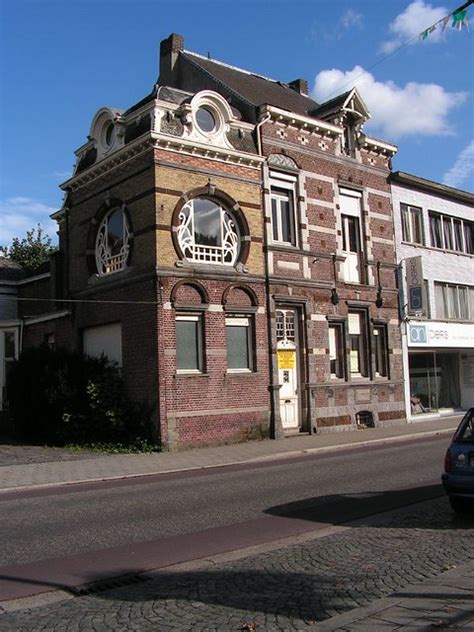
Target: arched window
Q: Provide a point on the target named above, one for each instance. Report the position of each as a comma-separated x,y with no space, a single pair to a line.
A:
208,233
112,245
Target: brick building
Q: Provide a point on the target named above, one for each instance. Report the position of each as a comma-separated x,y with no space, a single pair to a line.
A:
229,242
434,231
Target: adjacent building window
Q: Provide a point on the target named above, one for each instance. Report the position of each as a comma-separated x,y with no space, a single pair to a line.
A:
352,248
283,208
381,350
239,343
454,302
189,343
412,224
358,344
112,245
208,233
336,350
451,233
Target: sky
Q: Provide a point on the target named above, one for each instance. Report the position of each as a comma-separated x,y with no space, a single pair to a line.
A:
62,60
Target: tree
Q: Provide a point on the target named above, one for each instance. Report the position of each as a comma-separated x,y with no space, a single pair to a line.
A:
31,251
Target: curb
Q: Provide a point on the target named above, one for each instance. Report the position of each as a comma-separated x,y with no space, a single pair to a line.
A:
258,459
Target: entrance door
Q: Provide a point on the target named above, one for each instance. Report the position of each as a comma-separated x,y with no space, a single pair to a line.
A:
287,345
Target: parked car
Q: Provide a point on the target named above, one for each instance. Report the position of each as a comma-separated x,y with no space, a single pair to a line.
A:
458,476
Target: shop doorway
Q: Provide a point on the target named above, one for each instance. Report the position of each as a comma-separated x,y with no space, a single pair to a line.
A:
434,381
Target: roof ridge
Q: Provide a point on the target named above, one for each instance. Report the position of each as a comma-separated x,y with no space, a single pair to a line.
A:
222,63
218,81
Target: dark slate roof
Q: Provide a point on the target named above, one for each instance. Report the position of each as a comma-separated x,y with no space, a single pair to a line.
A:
10,270
330,106
254,89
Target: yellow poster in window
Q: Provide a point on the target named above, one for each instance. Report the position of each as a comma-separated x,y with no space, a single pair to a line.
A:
286,359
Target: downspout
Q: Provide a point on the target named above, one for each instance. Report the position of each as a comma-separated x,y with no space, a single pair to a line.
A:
258,131
272,387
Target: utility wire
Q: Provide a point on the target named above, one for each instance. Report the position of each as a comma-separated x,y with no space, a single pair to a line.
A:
75,300
399,48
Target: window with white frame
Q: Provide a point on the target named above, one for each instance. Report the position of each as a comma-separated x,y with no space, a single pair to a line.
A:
451,233
189,343
282,194
358,344
336,350
112,245
454,302
352,243
208,232
239,343
380,350
412,224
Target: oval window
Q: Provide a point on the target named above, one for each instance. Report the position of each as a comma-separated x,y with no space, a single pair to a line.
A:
205,120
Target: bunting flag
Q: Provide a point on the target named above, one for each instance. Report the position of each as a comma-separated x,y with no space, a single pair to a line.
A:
458,19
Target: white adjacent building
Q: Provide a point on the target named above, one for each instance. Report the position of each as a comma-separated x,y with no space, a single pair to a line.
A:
434,233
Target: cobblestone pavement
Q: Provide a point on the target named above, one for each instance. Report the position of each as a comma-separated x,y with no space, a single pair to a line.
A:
13,454
290,588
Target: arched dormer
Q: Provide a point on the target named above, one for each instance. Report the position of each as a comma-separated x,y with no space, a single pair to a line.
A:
106,131
207,118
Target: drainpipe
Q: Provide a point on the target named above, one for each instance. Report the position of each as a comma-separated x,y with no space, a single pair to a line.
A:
273,388
258,130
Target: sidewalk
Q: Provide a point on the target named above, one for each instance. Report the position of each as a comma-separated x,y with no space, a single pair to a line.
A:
443,603
118,466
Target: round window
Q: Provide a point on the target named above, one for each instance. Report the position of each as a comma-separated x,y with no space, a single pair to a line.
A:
109,133
205,120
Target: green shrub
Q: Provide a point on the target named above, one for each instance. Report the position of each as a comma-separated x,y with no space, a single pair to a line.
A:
61,397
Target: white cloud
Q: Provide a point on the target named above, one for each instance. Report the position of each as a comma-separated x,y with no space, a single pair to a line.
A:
463,169
20,214
420,109
417,17
350,20
64,175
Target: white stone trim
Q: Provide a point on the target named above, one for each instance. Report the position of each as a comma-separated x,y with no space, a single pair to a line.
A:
304,122
32,279
318,317
322,229
288,265
41,319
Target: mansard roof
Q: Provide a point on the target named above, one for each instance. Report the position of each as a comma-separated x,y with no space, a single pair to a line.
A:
254,89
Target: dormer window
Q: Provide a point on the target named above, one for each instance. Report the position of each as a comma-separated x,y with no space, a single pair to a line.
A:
112,246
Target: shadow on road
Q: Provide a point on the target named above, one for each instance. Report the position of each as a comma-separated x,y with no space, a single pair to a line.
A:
342,508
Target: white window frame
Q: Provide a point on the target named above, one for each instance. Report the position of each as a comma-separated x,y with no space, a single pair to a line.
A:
107,263
447,224
336,352
241,321
347,211
357,326
410,216
198,318
449,294
224,255
381,343
286,182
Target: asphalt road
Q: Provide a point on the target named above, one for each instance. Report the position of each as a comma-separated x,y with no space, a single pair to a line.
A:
65,522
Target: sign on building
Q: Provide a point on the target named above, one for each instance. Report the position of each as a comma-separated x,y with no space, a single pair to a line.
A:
414,278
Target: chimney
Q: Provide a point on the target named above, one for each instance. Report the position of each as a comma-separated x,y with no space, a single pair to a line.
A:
300,86
169,49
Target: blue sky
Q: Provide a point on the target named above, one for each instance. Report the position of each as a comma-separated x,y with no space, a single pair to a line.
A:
61,60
